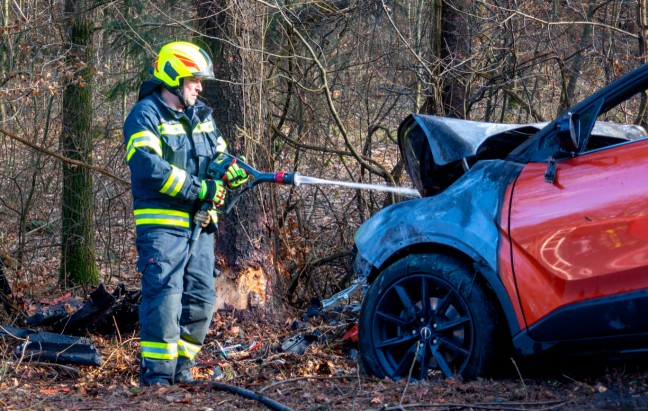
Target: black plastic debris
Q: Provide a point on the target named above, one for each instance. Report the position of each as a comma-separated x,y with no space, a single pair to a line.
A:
104,313
47,314
5,290
101,313
51,347
299,343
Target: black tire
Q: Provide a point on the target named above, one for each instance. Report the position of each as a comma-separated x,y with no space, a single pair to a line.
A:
427,313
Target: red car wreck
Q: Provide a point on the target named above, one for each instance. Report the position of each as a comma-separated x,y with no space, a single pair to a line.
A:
529,239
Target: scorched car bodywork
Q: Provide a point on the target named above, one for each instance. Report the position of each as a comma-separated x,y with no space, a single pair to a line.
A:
538,232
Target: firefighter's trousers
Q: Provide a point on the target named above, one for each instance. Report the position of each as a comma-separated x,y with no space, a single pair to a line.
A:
177,305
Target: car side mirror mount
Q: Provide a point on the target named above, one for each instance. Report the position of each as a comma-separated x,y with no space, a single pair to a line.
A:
567,138
568,133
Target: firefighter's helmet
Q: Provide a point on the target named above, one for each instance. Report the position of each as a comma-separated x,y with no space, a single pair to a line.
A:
181,59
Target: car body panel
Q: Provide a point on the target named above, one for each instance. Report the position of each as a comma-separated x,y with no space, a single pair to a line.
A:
464,217
505,263
587,236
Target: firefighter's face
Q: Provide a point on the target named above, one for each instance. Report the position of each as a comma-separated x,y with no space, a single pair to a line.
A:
191,87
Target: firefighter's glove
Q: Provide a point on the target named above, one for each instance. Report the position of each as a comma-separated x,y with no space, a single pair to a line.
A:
214,191
202,218
235,176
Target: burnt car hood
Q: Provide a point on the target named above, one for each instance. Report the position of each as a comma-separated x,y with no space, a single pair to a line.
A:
438,150
452,139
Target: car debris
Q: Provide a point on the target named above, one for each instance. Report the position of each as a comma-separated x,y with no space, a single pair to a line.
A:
299,343
101,313
52,347
68,322
344,295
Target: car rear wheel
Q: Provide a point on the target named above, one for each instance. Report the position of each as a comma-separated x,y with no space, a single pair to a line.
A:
426,313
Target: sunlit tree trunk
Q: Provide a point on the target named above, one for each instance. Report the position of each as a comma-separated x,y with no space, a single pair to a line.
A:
78,265
244,241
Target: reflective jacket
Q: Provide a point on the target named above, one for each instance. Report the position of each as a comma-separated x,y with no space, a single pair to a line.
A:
168,153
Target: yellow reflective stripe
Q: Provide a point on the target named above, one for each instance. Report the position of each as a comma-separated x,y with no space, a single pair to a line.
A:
159,351
221,145
156,216
187,349
171,129
162,221
163,211
176,179
205,127
143,139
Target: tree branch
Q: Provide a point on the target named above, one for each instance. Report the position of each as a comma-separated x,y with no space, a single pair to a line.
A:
63,158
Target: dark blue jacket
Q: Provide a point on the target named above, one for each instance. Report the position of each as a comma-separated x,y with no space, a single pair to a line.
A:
168,153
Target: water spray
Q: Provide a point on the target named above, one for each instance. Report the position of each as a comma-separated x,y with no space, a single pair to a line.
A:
214,171
296,179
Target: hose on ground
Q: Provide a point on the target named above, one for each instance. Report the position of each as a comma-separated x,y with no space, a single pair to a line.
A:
269,402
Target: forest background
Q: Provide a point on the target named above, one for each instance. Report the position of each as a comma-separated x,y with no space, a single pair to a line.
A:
317,87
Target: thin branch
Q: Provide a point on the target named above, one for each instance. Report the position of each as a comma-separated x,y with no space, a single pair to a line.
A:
63,158
369,164
562,23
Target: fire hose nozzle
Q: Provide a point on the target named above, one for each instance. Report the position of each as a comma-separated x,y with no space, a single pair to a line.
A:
283,178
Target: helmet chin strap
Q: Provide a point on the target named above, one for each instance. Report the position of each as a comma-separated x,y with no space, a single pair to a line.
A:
178,91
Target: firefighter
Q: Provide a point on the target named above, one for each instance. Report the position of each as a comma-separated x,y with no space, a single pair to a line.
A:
170,139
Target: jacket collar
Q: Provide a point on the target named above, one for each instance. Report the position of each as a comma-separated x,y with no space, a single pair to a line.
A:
200,109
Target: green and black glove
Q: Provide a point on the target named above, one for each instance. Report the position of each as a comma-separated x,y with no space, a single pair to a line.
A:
235,176
214,191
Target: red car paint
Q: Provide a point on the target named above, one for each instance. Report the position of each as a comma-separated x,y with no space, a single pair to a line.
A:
584,236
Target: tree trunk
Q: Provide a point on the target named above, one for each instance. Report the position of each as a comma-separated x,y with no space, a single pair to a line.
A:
78,264
4,53
449,40
577,62
244,250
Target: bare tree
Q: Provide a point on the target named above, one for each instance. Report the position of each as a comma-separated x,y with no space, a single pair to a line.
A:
78,255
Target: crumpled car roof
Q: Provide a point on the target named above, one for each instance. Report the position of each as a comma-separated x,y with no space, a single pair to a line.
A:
452,139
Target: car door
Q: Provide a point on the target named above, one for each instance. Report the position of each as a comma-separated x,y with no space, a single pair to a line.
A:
580,243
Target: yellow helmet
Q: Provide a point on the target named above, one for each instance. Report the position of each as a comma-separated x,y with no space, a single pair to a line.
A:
181,59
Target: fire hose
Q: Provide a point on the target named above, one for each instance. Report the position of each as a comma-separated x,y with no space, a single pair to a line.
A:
234,389
256,177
